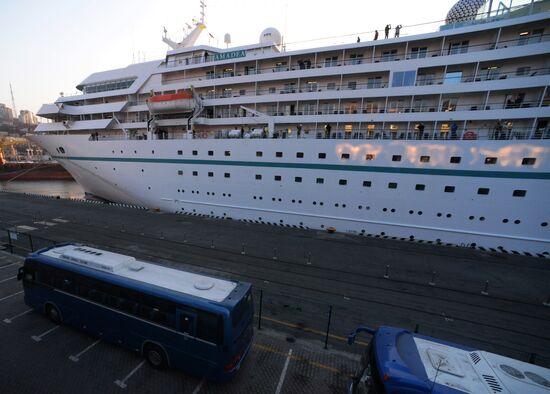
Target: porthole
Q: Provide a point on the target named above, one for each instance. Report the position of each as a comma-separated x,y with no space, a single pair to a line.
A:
392,210
360,207
385,209
153,152
277,199
279,154
321,203
299,201
505,220
180,152
411,212
449,215
544,224
345,156
420,213
210,153
343,205
195,153
367,208
336,205
314,202
517,221
471,218
322,156
142,170
439,214
482,218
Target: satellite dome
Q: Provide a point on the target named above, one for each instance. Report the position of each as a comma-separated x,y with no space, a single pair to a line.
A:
271,36
464,10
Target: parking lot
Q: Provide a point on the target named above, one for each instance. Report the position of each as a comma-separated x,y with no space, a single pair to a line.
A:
40,357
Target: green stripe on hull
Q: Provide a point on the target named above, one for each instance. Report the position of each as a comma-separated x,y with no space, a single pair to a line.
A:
330,167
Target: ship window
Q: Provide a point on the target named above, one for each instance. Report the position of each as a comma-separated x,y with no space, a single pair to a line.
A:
320,180
419,186
345,155
228,153
490,160
424,159
210,174
298,179
519,193
227,175
418,52
392,185
210,153
370,156
195,153
258,177
299,155
180,172
452,77
403,78
242,92
259,154
180,152
195,173
331,61
279,154
342,182
272,90
331,86
528,161
458,47
455,159
521,71
396,158
367,183
449,189
352,85
322,155
483,190
277,177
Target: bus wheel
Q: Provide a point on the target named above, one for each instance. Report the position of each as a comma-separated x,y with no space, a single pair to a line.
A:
53,314
155,356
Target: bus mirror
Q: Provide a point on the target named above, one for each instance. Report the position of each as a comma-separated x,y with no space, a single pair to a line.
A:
20,273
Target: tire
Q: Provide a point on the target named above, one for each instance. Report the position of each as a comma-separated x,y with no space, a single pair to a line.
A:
53,314
155,356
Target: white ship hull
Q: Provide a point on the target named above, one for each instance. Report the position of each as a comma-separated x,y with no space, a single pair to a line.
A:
147,173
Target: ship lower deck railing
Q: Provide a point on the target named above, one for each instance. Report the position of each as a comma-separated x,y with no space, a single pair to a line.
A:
416,132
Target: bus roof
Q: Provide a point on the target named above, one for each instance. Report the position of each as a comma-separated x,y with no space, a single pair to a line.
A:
128,267
429,364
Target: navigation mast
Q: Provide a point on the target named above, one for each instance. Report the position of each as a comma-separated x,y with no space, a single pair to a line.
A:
189,40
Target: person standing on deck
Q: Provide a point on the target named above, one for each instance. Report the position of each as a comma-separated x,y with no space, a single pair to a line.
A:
387,31
398,30
375,35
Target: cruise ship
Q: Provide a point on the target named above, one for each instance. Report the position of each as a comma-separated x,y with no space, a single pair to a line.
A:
440,137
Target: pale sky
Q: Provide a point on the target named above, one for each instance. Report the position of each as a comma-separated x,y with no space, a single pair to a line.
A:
49,46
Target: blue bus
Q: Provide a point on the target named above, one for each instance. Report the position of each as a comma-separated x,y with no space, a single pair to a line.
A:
195,323
399,361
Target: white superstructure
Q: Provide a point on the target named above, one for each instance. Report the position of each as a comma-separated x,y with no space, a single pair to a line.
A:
441,137
128,267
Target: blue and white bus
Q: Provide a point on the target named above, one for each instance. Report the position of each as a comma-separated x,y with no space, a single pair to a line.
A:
199,324
399,361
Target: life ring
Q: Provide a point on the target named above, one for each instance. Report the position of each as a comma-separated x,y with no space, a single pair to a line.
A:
470,135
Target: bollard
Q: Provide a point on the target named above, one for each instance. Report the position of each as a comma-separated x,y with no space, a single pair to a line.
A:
308,261
328,326
547,303
260,311
416,328
387,274
485,291
242,249
212,245
274,253
432,281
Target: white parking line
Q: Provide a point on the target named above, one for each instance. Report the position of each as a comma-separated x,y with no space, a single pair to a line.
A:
9,265
11,295
38,338
198,388
283,374
122,383
77,357
10,319
5,280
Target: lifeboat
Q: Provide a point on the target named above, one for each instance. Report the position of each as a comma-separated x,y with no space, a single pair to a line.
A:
171,103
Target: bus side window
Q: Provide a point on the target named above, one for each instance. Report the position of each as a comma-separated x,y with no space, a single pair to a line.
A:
186,322
209,327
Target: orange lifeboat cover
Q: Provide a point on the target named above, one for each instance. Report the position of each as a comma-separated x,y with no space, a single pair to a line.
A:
170,97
